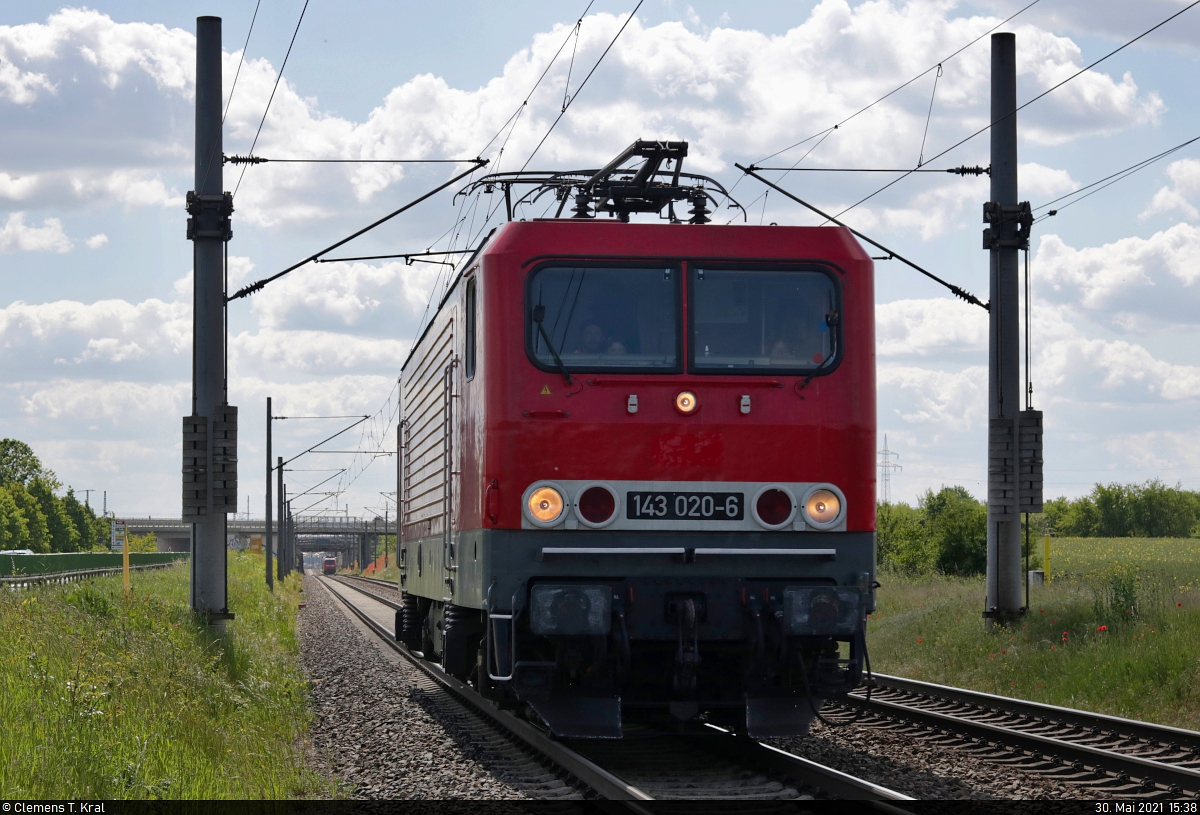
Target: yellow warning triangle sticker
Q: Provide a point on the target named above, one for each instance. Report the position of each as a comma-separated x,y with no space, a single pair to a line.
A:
545,390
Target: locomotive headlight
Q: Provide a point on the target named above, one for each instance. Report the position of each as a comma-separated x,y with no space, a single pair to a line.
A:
544,505
686,402
823,507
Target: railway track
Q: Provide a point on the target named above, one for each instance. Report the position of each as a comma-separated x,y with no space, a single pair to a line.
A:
1107,754
1111,755
648,765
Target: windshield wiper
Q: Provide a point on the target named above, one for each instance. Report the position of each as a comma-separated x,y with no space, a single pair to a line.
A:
539,314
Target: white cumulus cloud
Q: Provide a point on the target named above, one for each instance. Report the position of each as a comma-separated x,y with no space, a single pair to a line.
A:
1185,183
17,236
1133,283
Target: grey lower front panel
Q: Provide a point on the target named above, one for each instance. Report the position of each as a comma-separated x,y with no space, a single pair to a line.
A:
588,626
501,563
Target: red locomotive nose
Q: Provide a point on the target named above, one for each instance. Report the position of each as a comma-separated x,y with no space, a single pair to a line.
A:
774,507
596,505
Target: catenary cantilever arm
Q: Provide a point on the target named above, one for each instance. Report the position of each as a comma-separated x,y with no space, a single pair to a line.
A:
958,292
253,287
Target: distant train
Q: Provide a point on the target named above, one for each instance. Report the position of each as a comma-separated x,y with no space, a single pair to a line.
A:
329,565
637,461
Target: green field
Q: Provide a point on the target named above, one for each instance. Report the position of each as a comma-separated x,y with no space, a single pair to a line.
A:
111,697
1117,630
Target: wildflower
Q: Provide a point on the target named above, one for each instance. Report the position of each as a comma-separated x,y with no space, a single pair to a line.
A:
1014,684
1041,611
1102,628
1039,685
1005,651
1051,647
920,639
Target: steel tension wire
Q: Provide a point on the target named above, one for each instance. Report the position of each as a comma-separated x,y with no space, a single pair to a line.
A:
253,287
957,291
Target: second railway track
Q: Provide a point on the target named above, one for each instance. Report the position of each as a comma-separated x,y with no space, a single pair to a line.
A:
1107,754
646,766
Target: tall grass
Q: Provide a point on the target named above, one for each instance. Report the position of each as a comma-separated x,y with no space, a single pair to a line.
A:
1116,631
107,696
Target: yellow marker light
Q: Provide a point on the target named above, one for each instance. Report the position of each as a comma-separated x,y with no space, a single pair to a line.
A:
686,402
546,504
823,506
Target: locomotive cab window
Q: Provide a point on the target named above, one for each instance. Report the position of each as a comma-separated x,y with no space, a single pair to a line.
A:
470,339
603,318
760,320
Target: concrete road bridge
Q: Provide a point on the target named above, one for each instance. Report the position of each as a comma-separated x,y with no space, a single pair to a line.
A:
350,538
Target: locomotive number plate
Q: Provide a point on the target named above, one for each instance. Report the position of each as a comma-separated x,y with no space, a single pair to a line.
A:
685,506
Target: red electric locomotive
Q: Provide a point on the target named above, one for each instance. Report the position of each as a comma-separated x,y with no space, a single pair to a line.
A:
637,468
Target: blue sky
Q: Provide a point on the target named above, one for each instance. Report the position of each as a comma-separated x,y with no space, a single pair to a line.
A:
96,105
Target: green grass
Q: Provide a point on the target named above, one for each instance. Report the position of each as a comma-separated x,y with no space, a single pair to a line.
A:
1117,630
109,697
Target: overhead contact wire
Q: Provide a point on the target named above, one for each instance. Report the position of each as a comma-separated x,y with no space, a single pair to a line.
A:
1021,107
1120,175
571,101
270,99
213,151
901,87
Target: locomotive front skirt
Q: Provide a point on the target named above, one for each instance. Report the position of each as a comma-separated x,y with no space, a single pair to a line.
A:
637,473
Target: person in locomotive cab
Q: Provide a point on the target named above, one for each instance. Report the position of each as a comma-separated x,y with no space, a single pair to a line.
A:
594,340
781,350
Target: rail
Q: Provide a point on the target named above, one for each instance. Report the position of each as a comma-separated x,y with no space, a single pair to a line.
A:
599,780
1118,756
591,772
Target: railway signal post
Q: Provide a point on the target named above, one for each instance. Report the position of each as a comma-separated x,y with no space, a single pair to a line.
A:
210,432
279,475
1007,233
267,542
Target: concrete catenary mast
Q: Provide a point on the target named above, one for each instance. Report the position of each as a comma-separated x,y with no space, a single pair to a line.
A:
210,432
1012,457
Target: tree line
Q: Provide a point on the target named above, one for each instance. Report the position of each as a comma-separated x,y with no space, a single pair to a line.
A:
33,513
947,531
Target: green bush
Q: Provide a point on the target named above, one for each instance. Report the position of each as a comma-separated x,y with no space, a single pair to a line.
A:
958,526
903,543
945,532
1149,510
